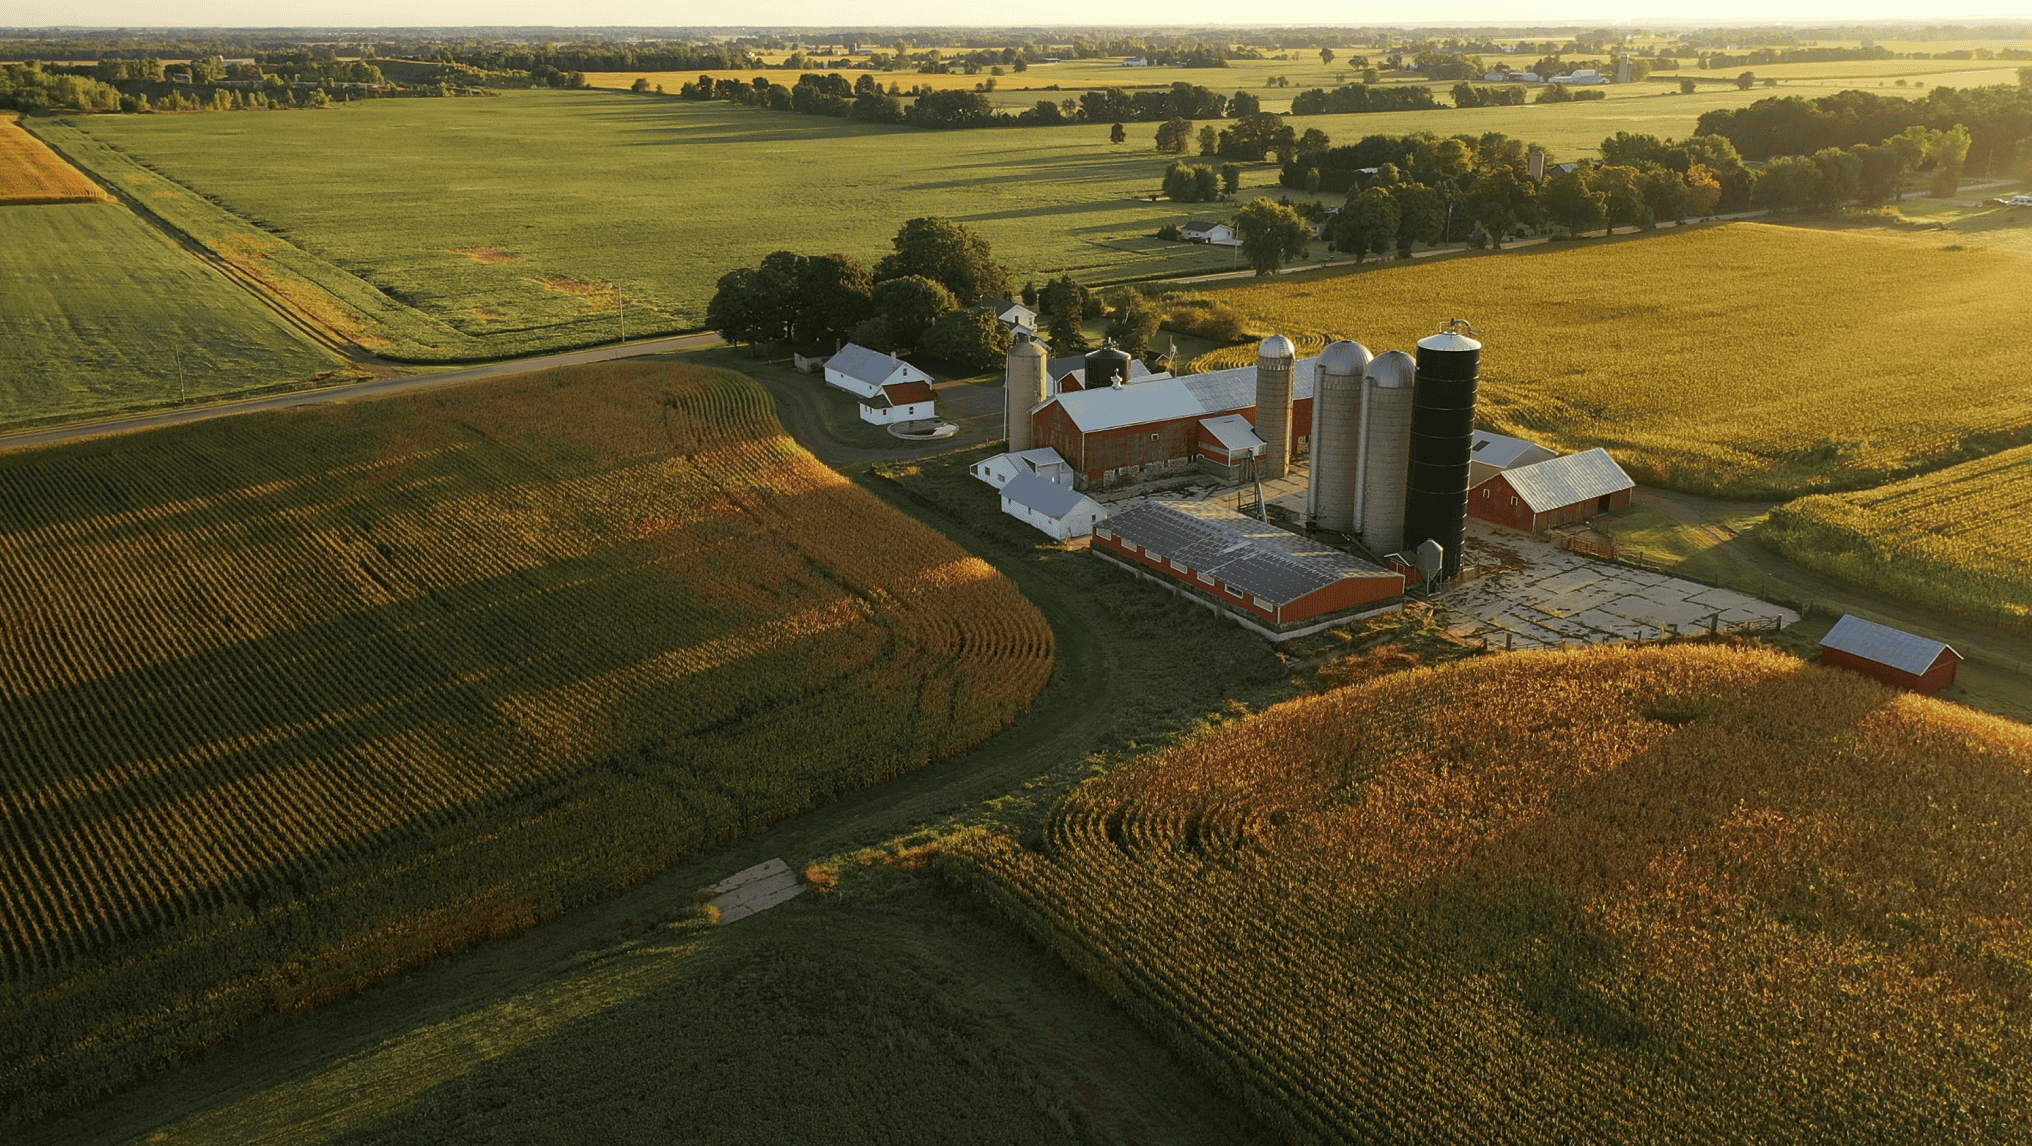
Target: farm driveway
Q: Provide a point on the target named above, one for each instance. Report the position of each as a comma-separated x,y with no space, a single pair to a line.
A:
1532,595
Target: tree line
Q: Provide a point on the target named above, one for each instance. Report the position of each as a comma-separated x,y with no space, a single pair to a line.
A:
1998,120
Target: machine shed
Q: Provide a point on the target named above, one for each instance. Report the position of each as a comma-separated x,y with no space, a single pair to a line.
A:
1898,658
1559,491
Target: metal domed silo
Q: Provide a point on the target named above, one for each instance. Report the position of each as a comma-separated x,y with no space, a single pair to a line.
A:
1024,388
1336,435
1275,360
1105,367
1442,436
1385,458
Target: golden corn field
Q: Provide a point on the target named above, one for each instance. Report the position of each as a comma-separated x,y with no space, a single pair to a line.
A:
291,701
31,173
1959,538
1678,894
1743,360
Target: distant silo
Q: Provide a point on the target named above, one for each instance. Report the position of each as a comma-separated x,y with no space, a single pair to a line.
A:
1106,367
1442,434
1336,434
1384,463
1023,390
1274,362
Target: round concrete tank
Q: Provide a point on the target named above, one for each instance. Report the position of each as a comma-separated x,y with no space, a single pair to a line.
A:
1385,451
1106,367
1274,362
1442,438
1024,388
1336,434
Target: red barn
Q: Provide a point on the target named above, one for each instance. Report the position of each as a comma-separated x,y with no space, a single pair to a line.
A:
1560,491
1896,657
1272,579
1152,428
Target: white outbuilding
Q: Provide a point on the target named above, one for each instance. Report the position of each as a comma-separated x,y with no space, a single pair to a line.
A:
1058,510
1001,469
900,402
863,372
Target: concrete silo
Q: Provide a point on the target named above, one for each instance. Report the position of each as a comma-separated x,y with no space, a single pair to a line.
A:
1384,459
1336,435
1274,362
1442,436
1024,389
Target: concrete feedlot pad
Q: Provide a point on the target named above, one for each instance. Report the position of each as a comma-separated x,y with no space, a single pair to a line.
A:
1531,594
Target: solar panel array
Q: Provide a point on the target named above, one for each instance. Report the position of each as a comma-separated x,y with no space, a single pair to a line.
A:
1276,566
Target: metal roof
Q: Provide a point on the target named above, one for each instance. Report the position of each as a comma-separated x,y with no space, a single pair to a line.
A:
1225,391
1034,491
1076,365
1885,645
1108,408
1040,458
1272,564
865,364
1233,432
1548,485
1501,452
905,393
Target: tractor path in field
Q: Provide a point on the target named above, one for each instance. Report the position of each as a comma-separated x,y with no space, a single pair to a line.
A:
1974,640
349,392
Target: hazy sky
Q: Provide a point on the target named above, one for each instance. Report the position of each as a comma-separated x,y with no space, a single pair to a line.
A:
444,13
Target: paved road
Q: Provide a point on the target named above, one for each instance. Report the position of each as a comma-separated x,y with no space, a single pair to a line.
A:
378,388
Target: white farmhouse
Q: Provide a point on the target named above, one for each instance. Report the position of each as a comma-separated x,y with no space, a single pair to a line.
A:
1218,233
900,402
1001,469
863,372
1014,315
1058,510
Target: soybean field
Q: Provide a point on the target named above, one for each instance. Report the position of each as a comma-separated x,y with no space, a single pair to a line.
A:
1686,893
290,702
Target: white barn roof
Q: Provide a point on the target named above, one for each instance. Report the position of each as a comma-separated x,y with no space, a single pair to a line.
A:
1034,491
1109,408
1501,452
1233,432
1272,564
1548,485
859,362
1885,645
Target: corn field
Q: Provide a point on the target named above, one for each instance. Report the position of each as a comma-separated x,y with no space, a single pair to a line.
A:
1959,538
1743,360
1679,894
31,173
291,701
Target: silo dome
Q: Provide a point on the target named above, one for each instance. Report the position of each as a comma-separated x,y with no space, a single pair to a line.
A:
1449,341
1276,346
1025,347
1341,357
1393,370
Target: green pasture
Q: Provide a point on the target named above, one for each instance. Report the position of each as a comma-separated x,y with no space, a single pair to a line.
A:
103,314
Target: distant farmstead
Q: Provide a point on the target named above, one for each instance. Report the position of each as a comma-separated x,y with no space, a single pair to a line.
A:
1896,657
1218,233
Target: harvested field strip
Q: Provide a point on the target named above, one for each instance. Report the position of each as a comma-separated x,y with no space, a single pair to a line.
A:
430,669
1635,896
1768,363
30,173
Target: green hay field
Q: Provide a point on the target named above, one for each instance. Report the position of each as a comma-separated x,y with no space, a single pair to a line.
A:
103,314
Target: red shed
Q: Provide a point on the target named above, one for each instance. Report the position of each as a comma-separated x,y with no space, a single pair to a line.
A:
1896,657
1555,492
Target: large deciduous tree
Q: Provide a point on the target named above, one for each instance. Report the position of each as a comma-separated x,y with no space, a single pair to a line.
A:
1271,233
966,340
948,254
1368,223
1503,203
909,305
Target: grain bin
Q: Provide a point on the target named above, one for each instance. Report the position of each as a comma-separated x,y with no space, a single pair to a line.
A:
1385,456
1106,367
1024,389
1274,362
1336,435
1442,436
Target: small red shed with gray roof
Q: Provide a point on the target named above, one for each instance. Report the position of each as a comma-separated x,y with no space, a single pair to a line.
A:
1558,491
1896,657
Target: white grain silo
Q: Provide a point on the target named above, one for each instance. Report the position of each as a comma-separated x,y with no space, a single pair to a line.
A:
1336,435
1383,468
1274,362
1024,389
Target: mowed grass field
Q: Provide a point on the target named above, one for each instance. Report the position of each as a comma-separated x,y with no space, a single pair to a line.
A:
1959,538
31,173
290,702
1742,360
1691,893
104,314
504,226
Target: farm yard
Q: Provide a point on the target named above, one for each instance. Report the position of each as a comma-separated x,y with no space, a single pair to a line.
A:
1636,896
293,702
1746,360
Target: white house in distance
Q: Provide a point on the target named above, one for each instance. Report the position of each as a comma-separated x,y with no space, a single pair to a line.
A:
1059,510
1013,315
1136,62
900,402
1219,234
1581,76
1001,469
863,372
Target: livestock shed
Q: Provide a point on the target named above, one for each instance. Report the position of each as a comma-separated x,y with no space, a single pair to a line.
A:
900,402
1559,491
1058,510
1045,462
1270,580
863,372
1493,453
1152,428
1896,657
